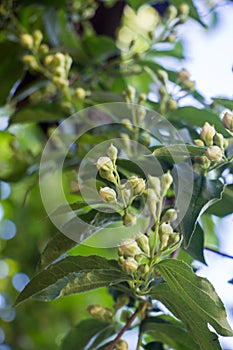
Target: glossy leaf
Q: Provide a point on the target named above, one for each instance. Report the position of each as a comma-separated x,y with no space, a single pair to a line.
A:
198,292
225,205
172,334
198,117
205,192
88,333
196,326
224,102
208,226
178,151
196,246
72,275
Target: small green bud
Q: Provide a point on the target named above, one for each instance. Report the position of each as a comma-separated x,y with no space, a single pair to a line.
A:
60,82
43,49
30,60
169,216
100,313
112,152
166,181
143,243
129,219
26,41
183,75
127,124
107,194
227,121
219,140
162,91
173,239
142,98
80,93
171,38
37,36
214,153
125,315
59,59
199,143
59,71
130,93
68,62
129,265
121,345
137,184
165,229
48,60
105,164
144,138
143,270
162,76
184,9
172,105
141,113
108,175
207,134
155,184
129,248
171,12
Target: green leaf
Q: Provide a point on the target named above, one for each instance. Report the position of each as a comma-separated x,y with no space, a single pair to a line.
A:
42,112
178,151
208,225
87,334
11,68
224,102
196,246
176,51
198,292
205,192
72,275
99,48
5,114
198,117
180,308
135,4
172,334
225,205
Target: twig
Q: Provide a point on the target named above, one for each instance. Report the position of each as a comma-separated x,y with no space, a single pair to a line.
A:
125,328
219,253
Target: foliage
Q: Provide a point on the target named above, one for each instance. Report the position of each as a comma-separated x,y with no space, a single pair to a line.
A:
156,184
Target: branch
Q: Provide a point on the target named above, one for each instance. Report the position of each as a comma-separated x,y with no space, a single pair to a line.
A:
125,328
219,253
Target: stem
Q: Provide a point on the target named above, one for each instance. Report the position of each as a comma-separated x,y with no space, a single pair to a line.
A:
157,222
219,253
139,343
124,329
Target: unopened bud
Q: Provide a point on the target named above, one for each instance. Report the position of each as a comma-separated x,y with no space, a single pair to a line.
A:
59,71
227,121
127,124
30,60
68,62
121,345
60,82
166,181
38,36
143,270
80,93
162,92
129,248
143,243
125,315
184,9
43,49
26,41
214,153
152,200
165,230
189,85
183,75
107,194
129,265
171,38
141,98
207,134
112,152
108,175
129,219
144,138
173,239
169,216
171,12
162,76
199,143
130,93
155,184
59,59
137,184
172,105
100,313
48,60
105,164
219,140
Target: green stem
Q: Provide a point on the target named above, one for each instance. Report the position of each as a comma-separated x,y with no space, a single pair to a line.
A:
157,222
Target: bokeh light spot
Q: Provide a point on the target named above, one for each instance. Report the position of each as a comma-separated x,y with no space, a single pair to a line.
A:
4,269
20,280
8,229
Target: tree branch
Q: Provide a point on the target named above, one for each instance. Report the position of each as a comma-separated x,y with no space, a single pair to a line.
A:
125,328
219,253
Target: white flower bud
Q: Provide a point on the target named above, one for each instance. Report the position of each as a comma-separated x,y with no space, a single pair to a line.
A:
214,153
129,248
129,265
169,216
105,164
152,200
227,121
137,184
207,134
183,75
171,12
143,243
112,152
108,175
155,184
26,41
173,239
107,194
199,143
219,140
166,181
129,219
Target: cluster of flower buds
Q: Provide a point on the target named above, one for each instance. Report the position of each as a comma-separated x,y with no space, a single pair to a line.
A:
130,96
185,81
167,102
215,143
59,66
131,252
168,238
106,167
33,44
101,313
